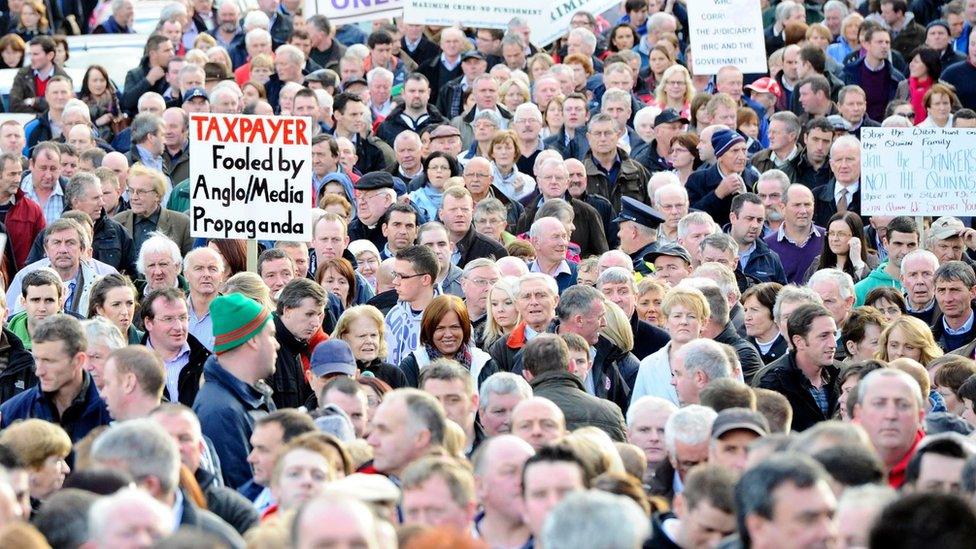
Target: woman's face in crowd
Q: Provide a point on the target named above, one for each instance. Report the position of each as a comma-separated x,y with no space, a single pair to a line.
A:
649,308
623,38
12,57
503,309
899,346
363,337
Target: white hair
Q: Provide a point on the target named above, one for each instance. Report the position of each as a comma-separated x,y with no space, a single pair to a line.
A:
689,425
549,281
256,20
612,522
257,33
896,121
379,72
646,112
77,105
108,508
586,35
920,253
848,141
528,109
649,404
844,282
671,186
200,251
157,243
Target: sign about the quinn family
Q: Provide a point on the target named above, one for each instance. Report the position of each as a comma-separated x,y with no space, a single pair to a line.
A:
726,33
250,177
918,171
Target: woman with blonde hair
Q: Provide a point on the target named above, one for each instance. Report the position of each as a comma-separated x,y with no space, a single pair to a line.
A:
445,332
361,327
650,294
501,316
908,337
513,93
618,329
685,311
42,447
675,90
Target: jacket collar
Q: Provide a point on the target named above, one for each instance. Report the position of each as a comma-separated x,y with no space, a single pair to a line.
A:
244,393
559,378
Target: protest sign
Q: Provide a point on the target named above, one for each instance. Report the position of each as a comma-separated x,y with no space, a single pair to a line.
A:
341,12
918,171
726,32
250,177
547,20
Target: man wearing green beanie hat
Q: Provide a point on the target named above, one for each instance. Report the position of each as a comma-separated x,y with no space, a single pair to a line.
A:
234,392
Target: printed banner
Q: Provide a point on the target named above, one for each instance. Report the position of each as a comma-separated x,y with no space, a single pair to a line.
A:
341,12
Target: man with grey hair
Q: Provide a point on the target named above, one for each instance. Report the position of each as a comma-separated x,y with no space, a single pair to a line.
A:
65,393
788,299
692,229
771,188
159,263
552,182
535,300
478,277
407,147
144,450
603,133
379,81
497,397
646,419
955,286
111,244
581,312
484,90
527,122
114,518
671,200
148,144
350,522
697,363
205,270
843,193
617,285
224,100
687,434
548,236
891,409
721,248
514,49
836,291
405,427
918,279
720,327
612,521
783,152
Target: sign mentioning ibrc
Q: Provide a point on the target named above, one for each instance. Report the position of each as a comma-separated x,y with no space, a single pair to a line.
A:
250,177
341,12
724,33
918,171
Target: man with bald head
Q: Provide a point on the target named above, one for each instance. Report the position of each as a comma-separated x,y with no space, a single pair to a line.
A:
890,408
552,181
798,241
447,65
497,473
538,421
351,524
119,164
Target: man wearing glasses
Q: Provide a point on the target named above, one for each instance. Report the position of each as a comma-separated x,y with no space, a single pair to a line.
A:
146,189
414,276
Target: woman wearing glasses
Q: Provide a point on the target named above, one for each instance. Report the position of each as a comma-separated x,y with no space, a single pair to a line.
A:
675,90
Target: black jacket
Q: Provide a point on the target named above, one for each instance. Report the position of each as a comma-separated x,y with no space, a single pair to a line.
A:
701,187
609,380
189,382
749,357
607,215
136,85
291,390
111,245
358,231
825,206
778,349
227,504
580,408
784,377
392,375
475,245
661,483
437,75
410,369
577,147
384,301
588,232
631,181
648,339
426,50
210,523
17,374
394,123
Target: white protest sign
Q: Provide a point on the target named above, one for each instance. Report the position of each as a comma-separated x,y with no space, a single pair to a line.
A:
547,20
250,177
918,171
341,12
726,32
474,13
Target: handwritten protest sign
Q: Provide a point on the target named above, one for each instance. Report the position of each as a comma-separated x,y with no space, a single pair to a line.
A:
726,32
250,177
341,12
918,171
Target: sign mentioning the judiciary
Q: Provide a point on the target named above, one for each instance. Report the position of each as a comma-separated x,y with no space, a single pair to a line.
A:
726,32
250,177
918,171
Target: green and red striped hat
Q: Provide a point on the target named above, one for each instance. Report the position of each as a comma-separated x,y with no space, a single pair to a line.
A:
236,319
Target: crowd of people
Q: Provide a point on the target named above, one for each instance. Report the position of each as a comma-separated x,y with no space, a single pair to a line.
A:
565,297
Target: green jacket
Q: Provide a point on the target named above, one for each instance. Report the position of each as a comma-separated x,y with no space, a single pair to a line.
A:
179,199
18,325
876,279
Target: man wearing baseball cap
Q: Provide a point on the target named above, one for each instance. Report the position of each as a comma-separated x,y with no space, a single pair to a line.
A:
654,156
712,190
330,359
949,239
234,393
732,432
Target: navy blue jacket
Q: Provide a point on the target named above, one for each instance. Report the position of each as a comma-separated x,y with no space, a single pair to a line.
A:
701,187
85,413
764,264
227,408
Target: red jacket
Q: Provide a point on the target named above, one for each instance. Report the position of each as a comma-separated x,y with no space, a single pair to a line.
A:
896,477
24,222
